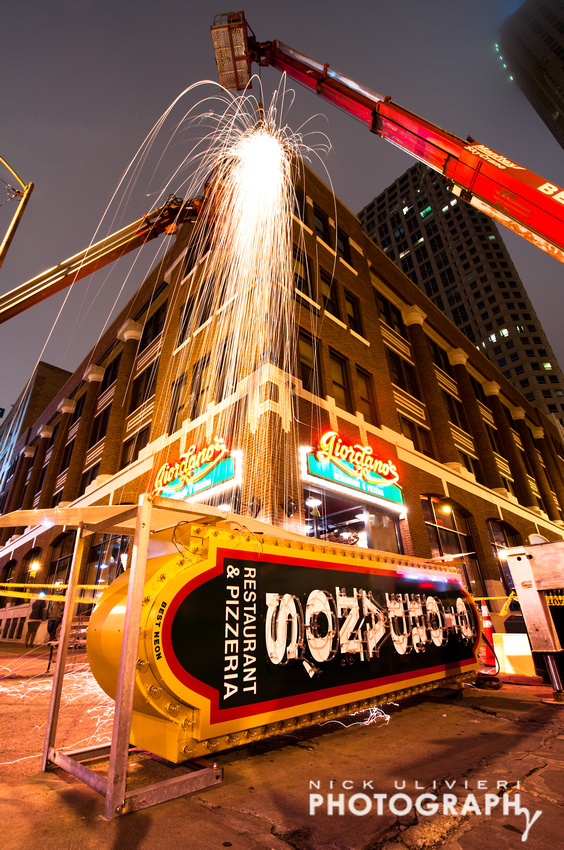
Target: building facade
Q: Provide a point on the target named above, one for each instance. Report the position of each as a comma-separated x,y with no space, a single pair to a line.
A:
531,48
456,255
391,432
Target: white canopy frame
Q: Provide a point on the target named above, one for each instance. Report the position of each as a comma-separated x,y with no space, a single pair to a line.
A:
153,515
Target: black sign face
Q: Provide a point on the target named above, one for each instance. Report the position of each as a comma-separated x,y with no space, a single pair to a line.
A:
256,634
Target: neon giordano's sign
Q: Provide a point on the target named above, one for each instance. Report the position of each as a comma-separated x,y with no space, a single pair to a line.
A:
191,469
359,460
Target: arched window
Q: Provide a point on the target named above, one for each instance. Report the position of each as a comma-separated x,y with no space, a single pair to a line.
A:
61,558
449,535
31,563
7,576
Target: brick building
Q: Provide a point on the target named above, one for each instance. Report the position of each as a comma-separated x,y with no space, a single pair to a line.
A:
456,460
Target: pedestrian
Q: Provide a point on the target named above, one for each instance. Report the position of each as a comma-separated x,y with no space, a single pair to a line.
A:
55,616
35,617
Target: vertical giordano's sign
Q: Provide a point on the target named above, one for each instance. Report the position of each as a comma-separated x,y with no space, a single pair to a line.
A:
201,470
351,468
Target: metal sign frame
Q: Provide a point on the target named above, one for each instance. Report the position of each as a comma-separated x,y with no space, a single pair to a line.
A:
151,515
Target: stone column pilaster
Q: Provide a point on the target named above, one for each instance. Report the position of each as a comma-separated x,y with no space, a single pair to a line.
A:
413,318
491,474
129,334
16,491
538,469
66,408
93,375
521,484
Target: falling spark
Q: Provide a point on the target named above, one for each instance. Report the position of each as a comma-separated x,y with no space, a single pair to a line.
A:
235,367
373,716
80,691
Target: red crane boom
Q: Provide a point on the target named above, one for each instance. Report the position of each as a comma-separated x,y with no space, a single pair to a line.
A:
527,204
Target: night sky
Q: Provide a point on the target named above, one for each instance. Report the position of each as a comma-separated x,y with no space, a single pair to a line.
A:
85,80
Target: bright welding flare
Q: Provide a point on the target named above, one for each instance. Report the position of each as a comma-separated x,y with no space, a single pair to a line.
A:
241,330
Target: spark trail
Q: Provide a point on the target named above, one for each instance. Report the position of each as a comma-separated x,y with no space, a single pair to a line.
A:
235,363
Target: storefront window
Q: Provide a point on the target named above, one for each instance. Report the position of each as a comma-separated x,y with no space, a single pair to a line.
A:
502,537
449,535
6,576
106,561
340,520
61,559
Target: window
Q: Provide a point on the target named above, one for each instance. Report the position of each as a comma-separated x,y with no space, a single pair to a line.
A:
366,404
301,273
100,426
133,446
66,456
353,312
340,386
459,315
176,404
107,559
153,327
308,364
321,224
89,476
419,436
41,480
226,382
110,374
329,293
6,576
53,437
343,247
61,558
200,387
402,373
440,357
185,324
455,411
78,409
449,534
144,386
471,464
389,313
503,536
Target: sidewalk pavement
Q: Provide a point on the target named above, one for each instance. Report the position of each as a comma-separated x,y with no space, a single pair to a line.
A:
492,759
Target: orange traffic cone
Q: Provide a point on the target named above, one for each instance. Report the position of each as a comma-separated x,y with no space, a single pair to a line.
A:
488,632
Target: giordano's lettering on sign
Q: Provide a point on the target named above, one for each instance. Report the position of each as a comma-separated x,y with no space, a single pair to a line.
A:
198,470
266,632
346,467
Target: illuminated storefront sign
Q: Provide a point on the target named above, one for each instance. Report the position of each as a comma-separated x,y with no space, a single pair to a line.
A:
353,468
199,471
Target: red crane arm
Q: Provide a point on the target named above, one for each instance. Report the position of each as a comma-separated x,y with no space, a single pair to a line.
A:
516,197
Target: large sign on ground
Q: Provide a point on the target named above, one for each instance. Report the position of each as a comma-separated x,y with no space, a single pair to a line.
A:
251,632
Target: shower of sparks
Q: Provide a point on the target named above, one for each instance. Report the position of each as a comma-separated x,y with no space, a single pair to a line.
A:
235,364
81,693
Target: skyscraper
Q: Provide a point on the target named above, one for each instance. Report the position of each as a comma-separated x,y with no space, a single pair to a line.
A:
531,47
456,255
